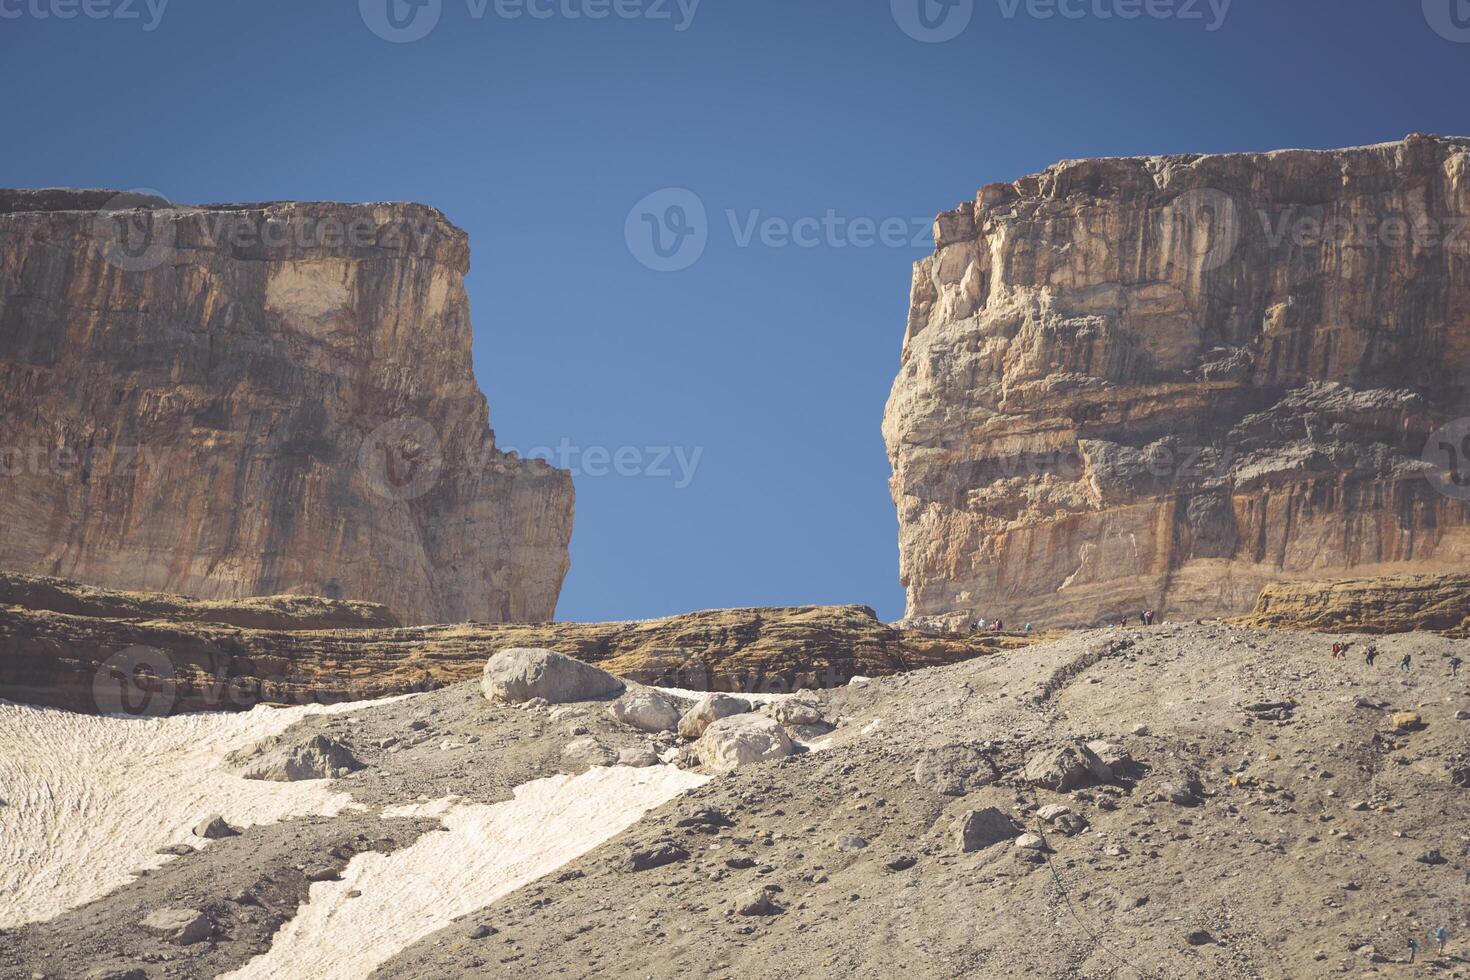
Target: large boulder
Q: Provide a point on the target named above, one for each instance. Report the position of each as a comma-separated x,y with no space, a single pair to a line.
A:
646,710
976,830
955,770
708,710
517,675
741,740
1065,767
284,760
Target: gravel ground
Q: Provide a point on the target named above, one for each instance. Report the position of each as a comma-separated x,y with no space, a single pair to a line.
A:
1272,822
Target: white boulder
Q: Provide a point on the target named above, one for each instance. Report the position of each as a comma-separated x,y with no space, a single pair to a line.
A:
708,710
519,675
646,710
742,740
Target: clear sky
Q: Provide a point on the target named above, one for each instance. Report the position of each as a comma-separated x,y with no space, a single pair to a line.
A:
765,362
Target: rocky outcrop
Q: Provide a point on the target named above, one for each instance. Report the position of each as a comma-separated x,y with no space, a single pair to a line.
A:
241,400
1395,604
284,612
156,664
1165,382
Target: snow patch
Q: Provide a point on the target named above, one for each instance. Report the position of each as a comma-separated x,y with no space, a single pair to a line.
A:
89,799
485,852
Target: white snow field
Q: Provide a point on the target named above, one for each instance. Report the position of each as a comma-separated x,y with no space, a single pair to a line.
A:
486,852
86,800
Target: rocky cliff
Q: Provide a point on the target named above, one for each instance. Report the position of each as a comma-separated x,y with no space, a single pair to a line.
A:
1168,381
241,400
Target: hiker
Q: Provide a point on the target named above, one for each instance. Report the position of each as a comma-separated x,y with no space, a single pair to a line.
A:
1455,666
1413,949
1405,663
1371,655
1149,616
1336,650
1143,617
1439,936
1028,627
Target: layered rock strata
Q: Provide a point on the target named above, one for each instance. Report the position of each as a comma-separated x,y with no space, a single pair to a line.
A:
132,659
241,400
1165,382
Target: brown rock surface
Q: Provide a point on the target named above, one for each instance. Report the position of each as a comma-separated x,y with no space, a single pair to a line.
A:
78,661
241,400
1395,604
1159,382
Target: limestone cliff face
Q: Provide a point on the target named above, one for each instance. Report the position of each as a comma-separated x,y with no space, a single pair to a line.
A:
1165,382
241,400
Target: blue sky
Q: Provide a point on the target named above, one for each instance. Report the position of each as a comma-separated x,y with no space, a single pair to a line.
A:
765,362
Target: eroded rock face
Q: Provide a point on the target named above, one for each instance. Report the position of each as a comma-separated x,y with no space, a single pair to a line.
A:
1165,382
243,400
1394,604
96,650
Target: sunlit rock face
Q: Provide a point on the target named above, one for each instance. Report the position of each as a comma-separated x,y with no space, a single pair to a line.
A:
258,399
1164,382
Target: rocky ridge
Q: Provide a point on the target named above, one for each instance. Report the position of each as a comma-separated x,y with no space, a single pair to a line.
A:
190,660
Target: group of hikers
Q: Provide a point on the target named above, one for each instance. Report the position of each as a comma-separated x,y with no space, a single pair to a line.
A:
992,626
1340,649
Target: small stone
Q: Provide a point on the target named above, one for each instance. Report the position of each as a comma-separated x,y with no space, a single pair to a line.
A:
182,927
482,931
1053,810
1031,842
660,854
1198,937
757,901
901,862
851,842
213,827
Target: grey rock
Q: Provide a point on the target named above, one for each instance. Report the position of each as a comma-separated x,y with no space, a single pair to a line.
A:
1062,768
646,710
587,753
213,827
656,856
742,740
519,675
182,927
955,770
638,756
284,759
708,710
976,830
756,901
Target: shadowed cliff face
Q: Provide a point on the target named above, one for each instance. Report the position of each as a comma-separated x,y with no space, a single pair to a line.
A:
1164,382
241,400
